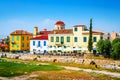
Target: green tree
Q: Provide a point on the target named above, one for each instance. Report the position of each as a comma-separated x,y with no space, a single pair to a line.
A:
100,46
107,48
90,47
116,51
115,41
7,41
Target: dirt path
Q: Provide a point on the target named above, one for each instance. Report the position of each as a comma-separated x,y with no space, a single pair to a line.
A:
113,74
25,77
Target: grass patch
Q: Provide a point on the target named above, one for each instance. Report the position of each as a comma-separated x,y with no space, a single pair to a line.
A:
10,68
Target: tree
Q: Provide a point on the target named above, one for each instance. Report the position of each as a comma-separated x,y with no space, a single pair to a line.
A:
116,51
115,41
100,46
107,48
90,47
7,42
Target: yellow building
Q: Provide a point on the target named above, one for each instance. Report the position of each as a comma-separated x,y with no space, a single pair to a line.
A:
75,39
20,40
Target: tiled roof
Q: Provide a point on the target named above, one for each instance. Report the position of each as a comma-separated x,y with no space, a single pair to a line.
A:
41,37
59,23
44,32
93,32
65,31
3,45
20,32
79,26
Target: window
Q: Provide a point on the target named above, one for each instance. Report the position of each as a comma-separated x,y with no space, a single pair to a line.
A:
68,39
17,38
62,40
57,39
22,44
44,43
33,43
17,45
12,45
94,39
27,38
84,39
38,43
22,37
75,39
27,44
12,38
52,39
75,29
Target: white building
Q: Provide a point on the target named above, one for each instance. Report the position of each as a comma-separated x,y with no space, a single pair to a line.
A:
39,44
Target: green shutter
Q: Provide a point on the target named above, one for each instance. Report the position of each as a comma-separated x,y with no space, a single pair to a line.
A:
12,45
17,45
84,39
75,39
68,39
62,40
94,39
12,38
52,39
23,38
75,29
17,37
22,44
27,38
57,39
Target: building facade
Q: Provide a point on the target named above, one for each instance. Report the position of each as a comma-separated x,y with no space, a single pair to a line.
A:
75,39
114,35
39,44
20,40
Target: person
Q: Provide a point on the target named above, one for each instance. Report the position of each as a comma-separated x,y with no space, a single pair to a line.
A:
83,61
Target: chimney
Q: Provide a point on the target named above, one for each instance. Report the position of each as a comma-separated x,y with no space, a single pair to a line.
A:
35,31
45,29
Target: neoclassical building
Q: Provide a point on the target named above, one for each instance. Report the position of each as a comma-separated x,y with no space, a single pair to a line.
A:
69,40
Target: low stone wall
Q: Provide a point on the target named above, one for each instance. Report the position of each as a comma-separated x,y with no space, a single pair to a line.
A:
64,59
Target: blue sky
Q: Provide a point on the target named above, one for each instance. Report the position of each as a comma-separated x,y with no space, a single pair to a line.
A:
25,14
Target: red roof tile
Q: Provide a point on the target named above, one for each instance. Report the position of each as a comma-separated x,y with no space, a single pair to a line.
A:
59,23
3,45
41,37
20,32
65,31
45,33
93,32
79,26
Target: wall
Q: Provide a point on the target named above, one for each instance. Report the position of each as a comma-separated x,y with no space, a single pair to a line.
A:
38,49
